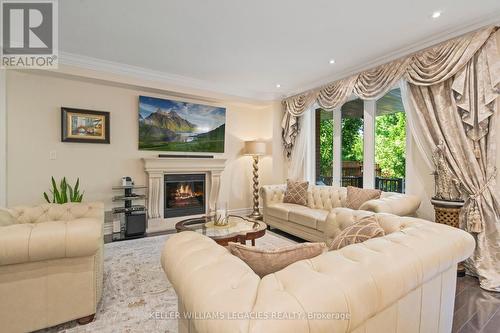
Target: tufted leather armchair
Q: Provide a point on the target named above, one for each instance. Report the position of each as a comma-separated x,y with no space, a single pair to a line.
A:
50,265
401,282
310,222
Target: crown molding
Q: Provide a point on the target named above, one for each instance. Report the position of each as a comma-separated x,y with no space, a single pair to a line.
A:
176,82
482,22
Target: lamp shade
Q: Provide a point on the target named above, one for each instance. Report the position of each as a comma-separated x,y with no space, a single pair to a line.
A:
255,148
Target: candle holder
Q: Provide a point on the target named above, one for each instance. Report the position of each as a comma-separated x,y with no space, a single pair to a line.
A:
220,214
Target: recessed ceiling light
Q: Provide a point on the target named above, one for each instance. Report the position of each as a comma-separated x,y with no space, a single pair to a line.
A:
436,14
332,61
278,85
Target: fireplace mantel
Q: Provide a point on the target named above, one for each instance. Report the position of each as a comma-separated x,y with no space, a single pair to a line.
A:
156,168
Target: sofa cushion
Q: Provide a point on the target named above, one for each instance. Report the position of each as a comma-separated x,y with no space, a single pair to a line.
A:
358,196
264,262
308,217
281,210
359,232
296,192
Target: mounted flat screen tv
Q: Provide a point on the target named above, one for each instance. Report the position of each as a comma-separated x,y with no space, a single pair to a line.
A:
168,125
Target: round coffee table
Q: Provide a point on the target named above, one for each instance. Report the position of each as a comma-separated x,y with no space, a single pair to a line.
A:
240,229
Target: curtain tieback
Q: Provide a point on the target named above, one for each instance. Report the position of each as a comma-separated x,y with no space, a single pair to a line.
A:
474,220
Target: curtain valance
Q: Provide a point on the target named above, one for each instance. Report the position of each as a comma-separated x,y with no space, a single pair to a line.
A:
428,67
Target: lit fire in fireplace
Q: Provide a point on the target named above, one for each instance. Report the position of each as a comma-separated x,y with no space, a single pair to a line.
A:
184,195
184,192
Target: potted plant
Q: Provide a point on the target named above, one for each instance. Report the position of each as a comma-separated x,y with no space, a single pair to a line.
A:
64,192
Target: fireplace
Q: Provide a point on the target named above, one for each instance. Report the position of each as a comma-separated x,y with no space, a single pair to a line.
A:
184,194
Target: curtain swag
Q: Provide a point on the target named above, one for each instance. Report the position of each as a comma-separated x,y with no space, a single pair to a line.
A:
429,67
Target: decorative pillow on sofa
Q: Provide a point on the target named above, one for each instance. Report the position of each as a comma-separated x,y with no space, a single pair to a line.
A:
264,262
359,232
6,218
357,196
296,192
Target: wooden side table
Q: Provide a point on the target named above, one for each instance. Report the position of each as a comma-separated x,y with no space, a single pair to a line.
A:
448,212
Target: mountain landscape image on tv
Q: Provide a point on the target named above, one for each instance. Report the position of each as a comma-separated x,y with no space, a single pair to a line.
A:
168,125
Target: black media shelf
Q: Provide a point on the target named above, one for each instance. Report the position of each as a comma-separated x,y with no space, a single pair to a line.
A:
132,217
129,197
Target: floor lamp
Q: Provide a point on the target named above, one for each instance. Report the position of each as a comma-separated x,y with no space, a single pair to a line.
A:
255,149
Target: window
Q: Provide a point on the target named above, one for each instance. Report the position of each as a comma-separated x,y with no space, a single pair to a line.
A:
390,143
362,144
324,147
352,143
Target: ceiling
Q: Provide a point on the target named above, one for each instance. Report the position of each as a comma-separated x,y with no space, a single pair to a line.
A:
245,48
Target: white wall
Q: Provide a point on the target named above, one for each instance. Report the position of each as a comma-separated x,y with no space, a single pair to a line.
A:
33,131
3,138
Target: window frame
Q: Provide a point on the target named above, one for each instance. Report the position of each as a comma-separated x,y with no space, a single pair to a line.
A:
369,118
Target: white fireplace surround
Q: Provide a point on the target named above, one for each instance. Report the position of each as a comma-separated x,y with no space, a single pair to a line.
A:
157,168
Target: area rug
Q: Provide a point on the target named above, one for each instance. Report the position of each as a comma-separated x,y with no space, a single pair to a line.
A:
135,287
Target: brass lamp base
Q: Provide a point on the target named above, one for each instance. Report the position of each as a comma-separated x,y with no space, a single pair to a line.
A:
256,215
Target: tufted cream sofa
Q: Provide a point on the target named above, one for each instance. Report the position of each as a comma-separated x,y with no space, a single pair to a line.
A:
308,222
50,265
402,282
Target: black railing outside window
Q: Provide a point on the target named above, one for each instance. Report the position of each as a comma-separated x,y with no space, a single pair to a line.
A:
356,181
390,184
381,183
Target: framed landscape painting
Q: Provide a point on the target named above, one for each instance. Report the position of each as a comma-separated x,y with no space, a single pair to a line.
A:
87,126
168,125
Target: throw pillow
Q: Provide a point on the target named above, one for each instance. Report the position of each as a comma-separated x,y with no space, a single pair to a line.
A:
264,262
359,232
357,196
296,192
6,218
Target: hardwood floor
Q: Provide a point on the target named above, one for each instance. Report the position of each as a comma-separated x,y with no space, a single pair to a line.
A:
476,310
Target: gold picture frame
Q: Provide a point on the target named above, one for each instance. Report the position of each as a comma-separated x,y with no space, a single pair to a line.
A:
84,126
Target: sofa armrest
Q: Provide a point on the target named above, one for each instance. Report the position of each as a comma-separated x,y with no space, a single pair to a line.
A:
207,279
272,194
30,242
397,204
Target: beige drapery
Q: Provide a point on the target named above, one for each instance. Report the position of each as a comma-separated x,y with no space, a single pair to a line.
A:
428,67
453,89
481,211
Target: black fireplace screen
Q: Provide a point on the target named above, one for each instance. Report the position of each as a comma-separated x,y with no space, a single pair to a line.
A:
184,195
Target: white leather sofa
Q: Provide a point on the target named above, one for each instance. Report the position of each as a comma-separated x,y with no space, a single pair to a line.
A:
50,265
308,222
402,282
